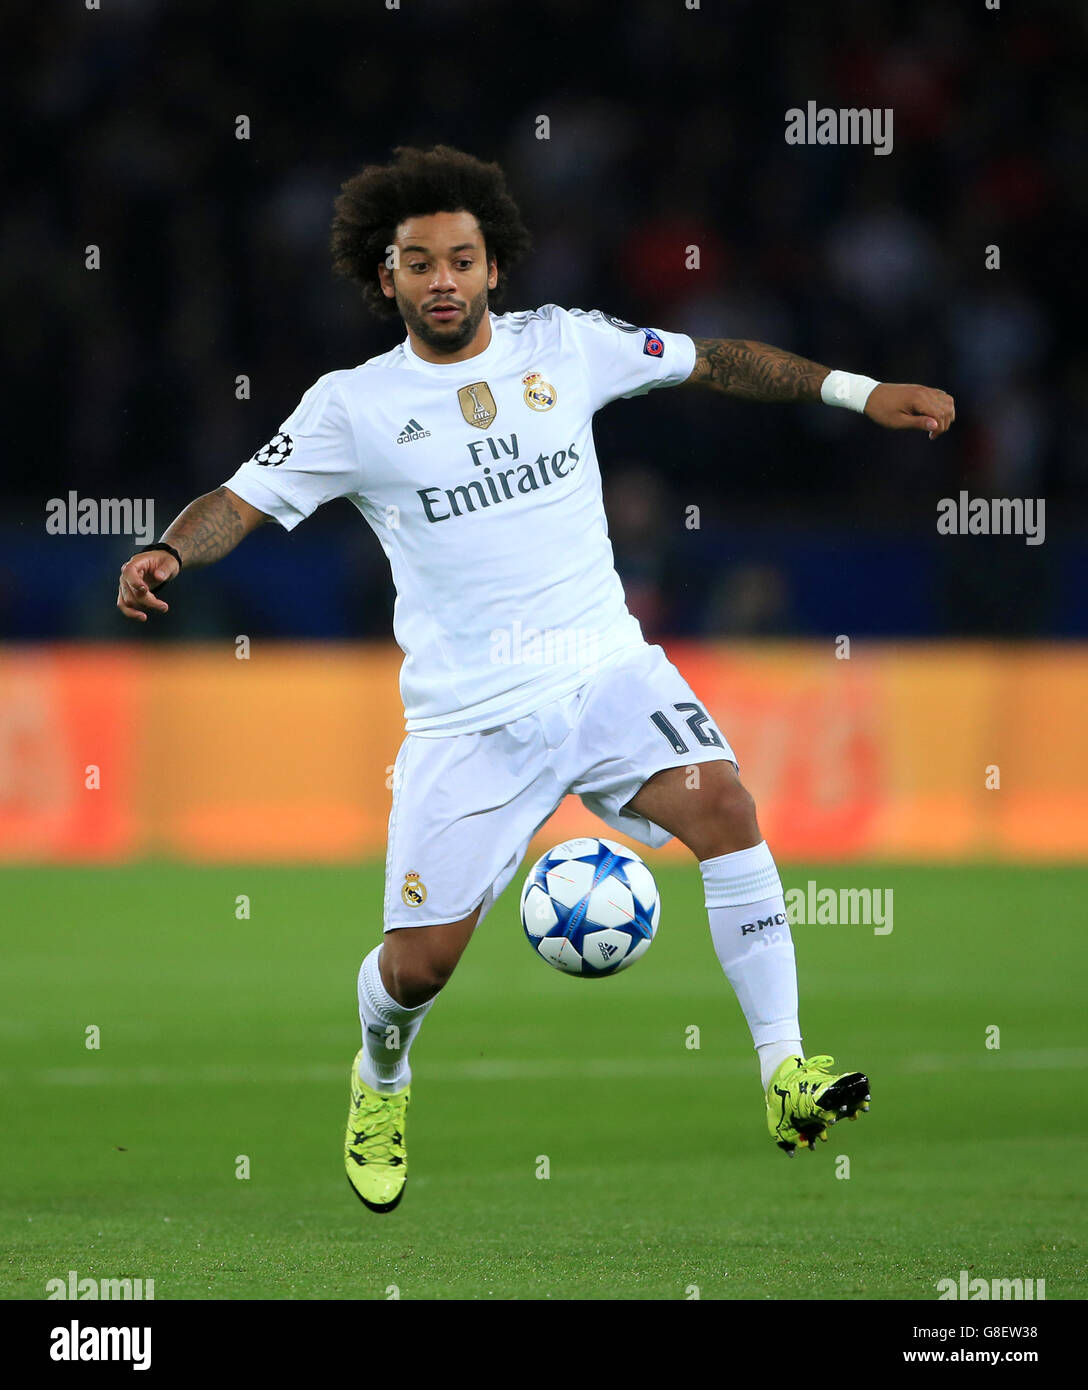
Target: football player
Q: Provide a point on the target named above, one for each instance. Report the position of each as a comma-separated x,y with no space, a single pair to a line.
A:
468,449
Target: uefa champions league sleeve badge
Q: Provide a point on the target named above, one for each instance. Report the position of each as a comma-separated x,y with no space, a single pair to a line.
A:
275,452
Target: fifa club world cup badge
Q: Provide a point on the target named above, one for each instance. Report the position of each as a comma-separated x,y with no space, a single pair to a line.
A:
478,404
539,394
413,892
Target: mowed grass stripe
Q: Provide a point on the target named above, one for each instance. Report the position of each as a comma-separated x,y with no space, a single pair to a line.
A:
596,1069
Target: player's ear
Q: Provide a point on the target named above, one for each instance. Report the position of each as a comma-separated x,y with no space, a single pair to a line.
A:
492,274
385,279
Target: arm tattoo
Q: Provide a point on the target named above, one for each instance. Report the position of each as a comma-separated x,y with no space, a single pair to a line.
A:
754,371
207,529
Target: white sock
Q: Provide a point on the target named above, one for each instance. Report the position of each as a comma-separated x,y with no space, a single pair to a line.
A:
772,1055
752,940
388,1030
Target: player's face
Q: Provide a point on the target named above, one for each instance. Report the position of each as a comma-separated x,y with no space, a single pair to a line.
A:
440,284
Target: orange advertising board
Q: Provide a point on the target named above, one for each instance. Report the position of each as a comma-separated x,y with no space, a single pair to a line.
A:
904,752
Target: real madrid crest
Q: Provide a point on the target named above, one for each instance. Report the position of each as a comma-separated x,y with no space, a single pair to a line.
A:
539,394
478,404
412,891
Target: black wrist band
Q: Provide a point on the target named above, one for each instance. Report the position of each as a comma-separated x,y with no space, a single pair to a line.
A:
161,545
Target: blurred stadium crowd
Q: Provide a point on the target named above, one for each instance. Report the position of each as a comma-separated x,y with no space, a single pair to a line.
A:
666,131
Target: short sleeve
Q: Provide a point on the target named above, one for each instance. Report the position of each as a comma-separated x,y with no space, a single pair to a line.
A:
623,360
311,459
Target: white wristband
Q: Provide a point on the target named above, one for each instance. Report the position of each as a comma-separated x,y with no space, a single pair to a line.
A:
846,389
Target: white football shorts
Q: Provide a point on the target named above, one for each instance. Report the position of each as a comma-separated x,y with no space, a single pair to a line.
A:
466,806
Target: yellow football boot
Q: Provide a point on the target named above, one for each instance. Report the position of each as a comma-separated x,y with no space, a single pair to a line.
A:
804,1097
374,1153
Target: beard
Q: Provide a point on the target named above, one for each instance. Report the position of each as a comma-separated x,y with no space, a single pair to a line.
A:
445,339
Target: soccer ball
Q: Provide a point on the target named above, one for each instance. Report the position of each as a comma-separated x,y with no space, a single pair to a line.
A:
590,907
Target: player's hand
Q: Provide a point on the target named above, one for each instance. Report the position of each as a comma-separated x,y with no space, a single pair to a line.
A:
911,408
140,576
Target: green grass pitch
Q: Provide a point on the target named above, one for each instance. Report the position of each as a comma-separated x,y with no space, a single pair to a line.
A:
222,1037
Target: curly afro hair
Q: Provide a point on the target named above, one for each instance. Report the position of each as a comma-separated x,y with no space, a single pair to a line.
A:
374,202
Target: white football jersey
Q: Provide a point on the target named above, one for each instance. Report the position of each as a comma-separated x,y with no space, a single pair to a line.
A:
481,482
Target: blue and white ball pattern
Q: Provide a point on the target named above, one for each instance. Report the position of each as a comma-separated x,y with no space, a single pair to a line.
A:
590,907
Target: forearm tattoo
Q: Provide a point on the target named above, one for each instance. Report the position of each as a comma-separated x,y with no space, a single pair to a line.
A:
207,529
755,371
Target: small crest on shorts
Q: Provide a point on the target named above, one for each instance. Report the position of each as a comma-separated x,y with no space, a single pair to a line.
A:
413,891
539,394
478,404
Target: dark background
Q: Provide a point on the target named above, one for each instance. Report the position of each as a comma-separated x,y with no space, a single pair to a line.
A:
667,129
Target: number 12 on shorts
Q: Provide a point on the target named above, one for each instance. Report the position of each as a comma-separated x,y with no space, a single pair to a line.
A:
696,721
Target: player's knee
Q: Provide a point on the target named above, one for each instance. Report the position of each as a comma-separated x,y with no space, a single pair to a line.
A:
731,823
737,810
419,978
417,963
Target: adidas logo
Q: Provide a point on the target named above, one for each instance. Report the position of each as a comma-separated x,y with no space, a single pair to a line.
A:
413,430
607,949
